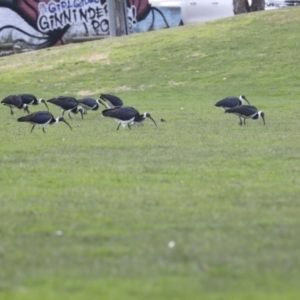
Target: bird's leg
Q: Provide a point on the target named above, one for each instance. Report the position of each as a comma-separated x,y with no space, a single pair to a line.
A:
118,126
11,111
32,128
44,129
69,115
128,126
244,122
241,123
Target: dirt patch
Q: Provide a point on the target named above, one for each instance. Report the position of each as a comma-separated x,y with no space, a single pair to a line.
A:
97,57
195,54
174,83
123,88
89,93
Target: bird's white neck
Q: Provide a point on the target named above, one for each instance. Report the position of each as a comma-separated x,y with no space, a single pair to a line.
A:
56,121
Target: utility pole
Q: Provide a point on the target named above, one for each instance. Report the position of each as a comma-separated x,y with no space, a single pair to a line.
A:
117,16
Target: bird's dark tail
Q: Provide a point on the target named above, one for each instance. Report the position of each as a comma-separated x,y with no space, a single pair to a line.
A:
109,111
23,119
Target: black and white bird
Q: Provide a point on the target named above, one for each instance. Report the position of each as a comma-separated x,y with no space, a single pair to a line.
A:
110,101
30,99
89,104
42,118
126,115
230,102
14,101
246,112
68,104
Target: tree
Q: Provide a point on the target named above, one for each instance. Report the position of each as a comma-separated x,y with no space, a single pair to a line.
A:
243,6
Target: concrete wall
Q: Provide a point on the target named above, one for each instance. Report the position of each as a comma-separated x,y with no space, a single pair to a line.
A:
45,23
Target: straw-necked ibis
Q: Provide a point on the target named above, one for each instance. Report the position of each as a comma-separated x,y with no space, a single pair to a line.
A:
42,118
126,115
89,104
230,102
14,101
68,104
30,99
246,112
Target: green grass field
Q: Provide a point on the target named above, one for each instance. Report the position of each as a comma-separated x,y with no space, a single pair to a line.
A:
88,213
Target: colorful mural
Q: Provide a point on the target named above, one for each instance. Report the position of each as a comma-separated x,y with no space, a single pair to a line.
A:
45,23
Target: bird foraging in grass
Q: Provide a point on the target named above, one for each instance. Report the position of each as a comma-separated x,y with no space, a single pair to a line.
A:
89,104
30,99
68,104
15,101
42,118
126,115
246,112
230,102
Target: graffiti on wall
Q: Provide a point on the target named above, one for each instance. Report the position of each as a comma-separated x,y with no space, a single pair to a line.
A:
54,15
45,23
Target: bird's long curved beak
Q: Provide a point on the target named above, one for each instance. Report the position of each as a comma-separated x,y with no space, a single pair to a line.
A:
67,124
45,104
264,120
152,119
247,101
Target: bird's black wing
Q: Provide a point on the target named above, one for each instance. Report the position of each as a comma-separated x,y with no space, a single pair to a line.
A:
28,98
123,113
12,100
114,100
38,117
228,102
244,110
64,102
90,102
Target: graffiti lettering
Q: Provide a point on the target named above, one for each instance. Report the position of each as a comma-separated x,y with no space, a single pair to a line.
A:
67,12
46,23
53,7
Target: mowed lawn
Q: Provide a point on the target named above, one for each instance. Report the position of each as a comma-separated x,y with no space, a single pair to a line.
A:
89,213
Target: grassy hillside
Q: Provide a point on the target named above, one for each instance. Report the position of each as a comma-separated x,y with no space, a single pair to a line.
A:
89,213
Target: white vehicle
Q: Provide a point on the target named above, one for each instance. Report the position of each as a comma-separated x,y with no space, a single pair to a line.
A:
198,11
